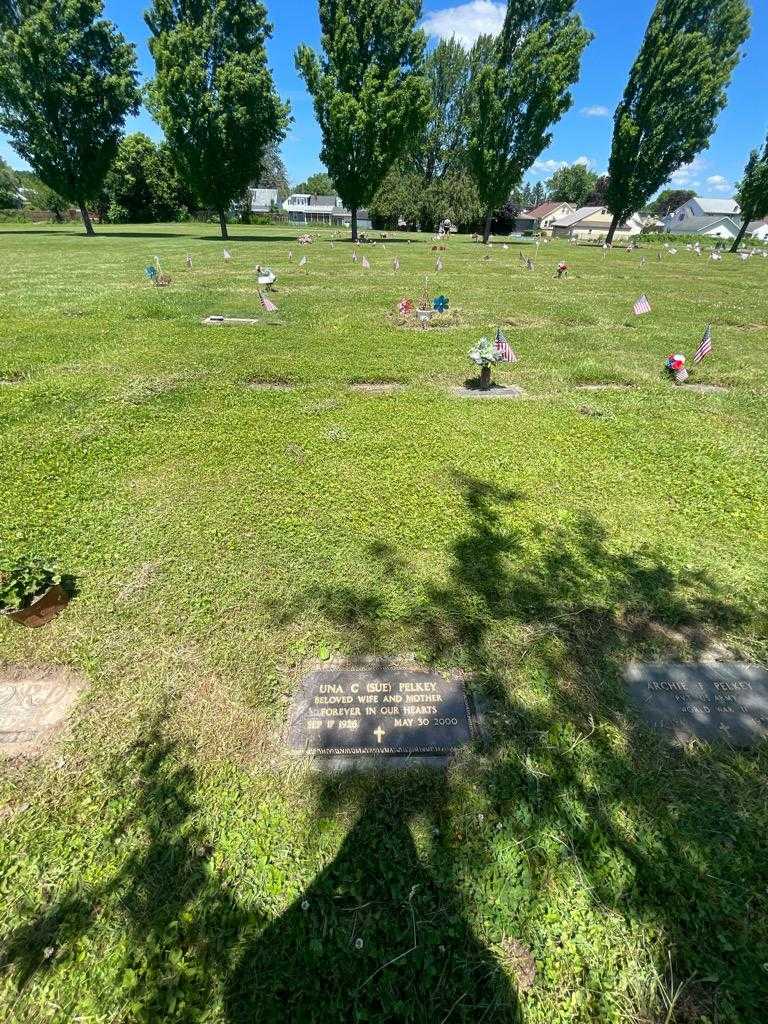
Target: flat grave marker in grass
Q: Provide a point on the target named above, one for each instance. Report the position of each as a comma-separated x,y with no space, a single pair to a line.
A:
709,701
379,708
474,390
34,704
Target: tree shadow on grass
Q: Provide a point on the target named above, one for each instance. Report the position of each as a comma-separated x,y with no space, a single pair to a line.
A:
567,804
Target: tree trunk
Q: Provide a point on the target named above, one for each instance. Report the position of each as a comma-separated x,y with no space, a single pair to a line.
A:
487,229
86,220
223,223
612,229
485,378
354,223
742,231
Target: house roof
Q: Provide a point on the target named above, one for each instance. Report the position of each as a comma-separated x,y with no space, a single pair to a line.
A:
697,225
584,213
713,207
544,210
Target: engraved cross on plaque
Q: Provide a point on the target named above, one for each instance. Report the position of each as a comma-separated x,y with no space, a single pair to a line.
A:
379,734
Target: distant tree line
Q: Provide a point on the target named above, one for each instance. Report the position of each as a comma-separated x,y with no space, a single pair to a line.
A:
411,134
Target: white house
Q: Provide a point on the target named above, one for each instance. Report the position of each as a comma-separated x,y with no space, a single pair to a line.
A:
541,218
303,208
592,223
700,206
712,227
759,231
263,200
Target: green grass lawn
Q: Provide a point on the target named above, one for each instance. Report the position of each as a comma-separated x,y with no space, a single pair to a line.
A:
166,862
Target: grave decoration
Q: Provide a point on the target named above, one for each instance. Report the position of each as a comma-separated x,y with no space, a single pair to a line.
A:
266,278
266,304
156,276
305,239
562,270
227,255
31,592
675,365
428,313
189,262
485,355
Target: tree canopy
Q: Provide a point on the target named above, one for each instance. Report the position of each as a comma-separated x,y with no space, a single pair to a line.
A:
369,92
669,200
213,93
319,184
143,185
676,89
67,81
9,187
519,92
573,184
752,191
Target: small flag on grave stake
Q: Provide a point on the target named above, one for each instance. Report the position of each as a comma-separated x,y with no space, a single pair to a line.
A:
396,263
189,262
354,256
290,255
303,261
705,347
227,254
642,306
503,349
365,264
439,264
267,305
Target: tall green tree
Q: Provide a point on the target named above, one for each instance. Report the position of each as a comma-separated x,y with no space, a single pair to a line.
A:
676,89
572,184
67,81
369,93
319,184
9,187
142,184
669,200
213,93
752,192
520,92
272,173
441,147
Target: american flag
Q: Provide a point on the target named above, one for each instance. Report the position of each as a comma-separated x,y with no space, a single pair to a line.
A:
681,375
303,261
365,264
396,263
503,349
267,305
705,347
227,254
439,264
354,256
642,306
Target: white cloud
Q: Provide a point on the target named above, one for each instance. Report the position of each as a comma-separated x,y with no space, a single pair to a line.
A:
719,183
596,111
466,22
550,166
688,175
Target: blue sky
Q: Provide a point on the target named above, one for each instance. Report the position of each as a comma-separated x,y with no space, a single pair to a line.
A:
584,134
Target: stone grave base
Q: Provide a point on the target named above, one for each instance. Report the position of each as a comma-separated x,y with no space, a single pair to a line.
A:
35,702
712,701
705,389
377,387
605,386
230,321
363,713
472,390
